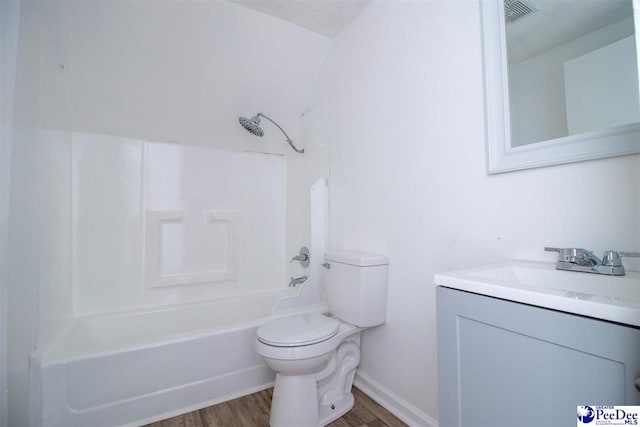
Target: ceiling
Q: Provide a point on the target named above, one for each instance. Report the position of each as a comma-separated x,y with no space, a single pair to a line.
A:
562,20
558,21
326,17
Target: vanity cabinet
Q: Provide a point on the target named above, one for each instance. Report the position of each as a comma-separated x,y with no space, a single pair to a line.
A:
504,363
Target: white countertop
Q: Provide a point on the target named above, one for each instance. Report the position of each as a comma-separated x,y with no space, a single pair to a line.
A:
612,298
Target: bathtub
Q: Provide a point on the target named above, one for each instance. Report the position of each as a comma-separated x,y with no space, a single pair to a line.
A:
138,367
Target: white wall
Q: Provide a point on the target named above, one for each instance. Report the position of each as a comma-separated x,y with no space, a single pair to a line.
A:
174,72
184,71
537,85
22,239
408,178
9,18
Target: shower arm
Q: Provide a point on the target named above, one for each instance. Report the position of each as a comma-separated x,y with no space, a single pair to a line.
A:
285,134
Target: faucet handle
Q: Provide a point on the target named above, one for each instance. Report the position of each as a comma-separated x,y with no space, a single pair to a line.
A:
303,256
575,256
562,253
612,258
630,254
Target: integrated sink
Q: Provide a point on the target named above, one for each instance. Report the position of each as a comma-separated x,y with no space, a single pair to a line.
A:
612,298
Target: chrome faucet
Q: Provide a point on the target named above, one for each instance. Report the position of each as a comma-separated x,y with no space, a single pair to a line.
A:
577,259
297,280
303,256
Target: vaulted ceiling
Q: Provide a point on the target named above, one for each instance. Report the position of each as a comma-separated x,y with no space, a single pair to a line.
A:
326,17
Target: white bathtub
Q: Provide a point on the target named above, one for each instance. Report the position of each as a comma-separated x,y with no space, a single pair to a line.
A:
138,367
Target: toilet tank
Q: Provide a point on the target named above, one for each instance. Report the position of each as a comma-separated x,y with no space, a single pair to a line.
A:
356,285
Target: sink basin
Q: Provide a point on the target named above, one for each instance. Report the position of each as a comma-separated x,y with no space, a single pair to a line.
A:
612,298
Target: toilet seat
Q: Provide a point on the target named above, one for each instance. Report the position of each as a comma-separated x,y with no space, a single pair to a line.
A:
298,330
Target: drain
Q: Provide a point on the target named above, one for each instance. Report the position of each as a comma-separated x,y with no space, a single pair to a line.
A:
333,407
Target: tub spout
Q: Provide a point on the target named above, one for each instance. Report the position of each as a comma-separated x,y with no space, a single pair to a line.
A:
297,280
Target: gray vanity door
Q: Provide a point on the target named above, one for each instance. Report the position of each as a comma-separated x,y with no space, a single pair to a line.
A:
505,364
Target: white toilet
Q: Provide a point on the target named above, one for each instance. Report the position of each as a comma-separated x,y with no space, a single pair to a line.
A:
315,356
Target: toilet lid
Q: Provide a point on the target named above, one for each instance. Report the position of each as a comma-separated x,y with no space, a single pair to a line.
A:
301,329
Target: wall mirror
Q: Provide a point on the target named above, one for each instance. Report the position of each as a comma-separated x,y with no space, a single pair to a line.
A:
561,81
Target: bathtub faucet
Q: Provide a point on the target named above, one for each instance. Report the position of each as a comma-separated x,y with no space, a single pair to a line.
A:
297,280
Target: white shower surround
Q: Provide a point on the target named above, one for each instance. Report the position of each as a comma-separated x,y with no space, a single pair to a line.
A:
159,224
154,344
166,86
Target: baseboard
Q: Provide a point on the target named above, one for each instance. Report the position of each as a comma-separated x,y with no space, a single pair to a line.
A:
399,407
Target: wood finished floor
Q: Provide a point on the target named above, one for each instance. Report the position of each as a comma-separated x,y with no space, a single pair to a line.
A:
253,411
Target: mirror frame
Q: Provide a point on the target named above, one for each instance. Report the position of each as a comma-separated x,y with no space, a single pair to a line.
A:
501,156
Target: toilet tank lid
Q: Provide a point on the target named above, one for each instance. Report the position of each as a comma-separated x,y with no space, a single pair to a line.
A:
357,258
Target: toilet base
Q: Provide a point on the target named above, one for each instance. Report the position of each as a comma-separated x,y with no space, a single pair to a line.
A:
330,413
314,391
297,410
294,402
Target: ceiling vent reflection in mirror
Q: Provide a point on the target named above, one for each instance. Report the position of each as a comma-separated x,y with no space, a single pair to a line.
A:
516,9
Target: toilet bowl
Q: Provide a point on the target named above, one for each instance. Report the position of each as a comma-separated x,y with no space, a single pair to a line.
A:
303,351
315,355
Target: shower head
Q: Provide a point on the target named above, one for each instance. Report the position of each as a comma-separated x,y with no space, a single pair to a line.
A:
252,125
